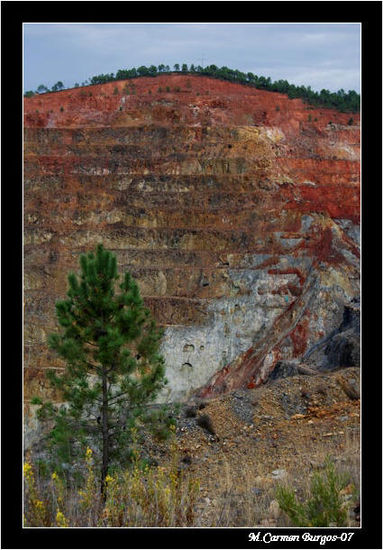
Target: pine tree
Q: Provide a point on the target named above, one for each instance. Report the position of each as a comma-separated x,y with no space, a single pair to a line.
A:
42,89
58,86
113,371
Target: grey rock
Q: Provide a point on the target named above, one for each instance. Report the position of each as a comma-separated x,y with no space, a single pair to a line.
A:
284,369
242,406
293,404
279,474
343,350
341,346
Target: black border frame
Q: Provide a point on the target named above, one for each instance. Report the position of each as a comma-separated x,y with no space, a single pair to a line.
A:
369,14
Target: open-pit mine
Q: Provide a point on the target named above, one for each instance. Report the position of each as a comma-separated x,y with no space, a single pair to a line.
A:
236,210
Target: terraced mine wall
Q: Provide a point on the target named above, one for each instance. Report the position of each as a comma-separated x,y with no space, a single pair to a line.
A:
236,209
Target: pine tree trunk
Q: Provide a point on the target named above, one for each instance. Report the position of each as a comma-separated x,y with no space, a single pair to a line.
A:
105,434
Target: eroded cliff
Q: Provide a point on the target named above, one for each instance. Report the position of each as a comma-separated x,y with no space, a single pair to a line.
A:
236,209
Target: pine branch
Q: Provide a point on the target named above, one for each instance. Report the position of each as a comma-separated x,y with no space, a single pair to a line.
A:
118,396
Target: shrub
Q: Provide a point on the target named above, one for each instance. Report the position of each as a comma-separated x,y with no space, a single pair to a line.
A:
116,91
36,514
350,121
191,412
167,88
205,422
62,109
323,506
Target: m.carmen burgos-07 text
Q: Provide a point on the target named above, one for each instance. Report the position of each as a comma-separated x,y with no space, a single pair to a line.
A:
307,537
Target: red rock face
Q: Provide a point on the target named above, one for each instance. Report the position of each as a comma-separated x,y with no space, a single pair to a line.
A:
236,210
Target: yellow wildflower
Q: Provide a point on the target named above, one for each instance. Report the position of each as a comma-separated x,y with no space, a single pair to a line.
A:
39,504
54,476
89,452
61,520
27,469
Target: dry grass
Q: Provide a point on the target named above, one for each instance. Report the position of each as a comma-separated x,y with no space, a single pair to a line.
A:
241,504
248,496
165,496
252,501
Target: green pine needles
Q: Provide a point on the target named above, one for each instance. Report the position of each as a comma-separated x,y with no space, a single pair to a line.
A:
110,345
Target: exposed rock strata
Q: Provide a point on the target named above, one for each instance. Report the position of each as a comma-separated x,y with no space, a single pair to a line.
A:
237,210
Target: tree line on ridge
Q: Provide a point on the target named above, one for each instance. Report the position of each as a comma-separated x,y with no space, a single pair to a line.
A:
341,100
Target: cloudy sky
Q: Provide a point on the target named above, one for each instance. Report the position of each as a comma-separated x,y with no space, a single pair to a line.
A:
316,55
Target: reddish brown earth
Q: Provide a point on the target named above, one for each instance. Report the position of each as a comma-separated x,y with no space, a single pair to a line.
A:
236,209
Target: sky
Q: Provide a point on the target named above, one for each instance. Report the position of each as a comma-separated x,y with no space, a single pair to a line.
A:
317,55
